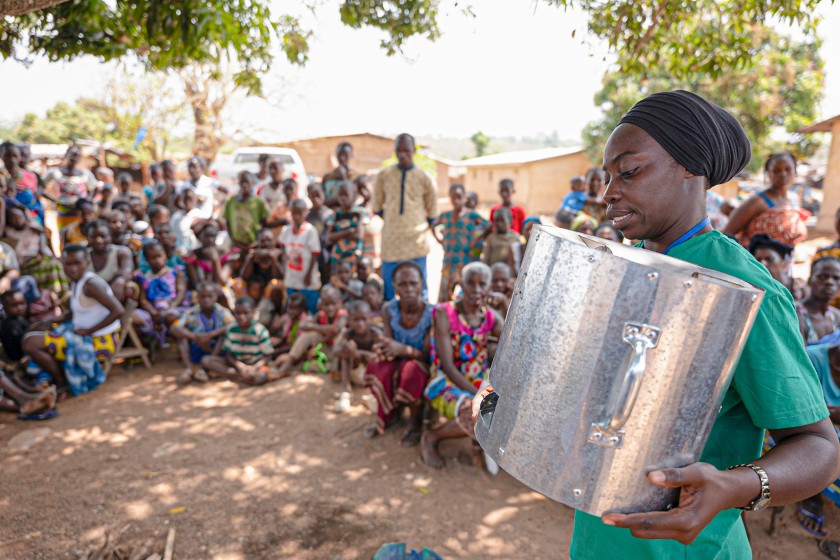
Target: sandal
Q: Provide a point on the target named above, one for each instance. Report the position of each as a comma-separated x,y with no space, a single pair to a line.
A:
410,438
184,377
201,376
371,431
811,522
39,416
830,549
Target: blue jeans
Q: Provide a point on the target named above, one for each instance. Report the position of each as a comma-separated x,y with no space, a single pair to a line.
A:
388,277
312,297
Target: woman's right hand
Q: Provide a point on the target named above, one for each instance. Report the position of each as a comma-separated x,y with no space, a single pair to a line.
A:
479,396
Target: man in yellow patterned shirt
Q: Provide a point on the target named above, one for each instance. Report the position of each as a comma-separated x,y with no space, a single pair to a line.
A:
406,198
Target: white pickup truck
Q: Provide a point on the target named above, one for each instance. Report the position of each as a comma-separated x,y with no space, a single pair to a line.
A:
247,159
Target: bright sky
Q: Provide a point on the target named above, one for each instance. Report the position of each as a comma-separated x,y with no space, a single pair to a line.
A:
514,69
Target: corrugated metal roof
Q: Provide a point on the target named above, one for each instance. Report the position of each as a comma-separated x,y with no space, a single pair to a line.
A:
519,157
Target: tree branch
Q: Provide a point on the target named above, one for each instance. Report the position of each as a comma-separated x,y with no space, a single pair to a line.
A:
18,7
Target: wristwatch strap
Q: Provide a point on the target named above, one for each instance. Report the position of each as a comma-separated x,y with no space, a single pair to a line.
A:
764,495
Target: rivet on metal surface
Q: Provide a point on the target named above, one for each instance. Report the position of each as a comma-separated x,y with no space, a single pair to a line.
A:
596,435
577,492
652,276
501,451
755,297
591,258
687,283
615,439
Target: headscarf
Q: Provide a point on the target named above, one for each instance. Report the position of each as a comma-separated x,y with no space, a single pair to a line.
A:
531,220
581,219
764,241
701,136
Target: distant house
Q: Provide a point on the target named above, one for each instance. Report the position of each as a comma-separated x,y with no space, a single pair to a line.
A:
831,184
541,177
318,154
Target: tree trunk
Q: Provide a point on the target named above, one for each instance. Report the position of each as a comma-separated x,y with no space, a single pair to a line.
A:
207,93
18,7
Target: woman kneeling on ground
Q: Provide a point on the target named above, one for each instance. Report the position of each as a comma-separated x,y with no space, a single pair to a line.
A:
465,336
399,376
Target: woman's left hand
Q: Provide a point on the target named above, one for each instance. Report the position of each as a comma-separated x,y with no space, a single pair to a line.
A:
704,492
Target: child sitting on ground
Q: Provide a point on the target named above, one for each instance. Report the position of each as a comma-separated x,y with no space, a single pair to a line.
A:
183,220
14,395
346,228
166,237
501,288
498,246
199,330
13,324
374,293
75,232
365,271
354,350
517,213
162,294
247,348
159,215
302,246
342,278
289,324
318,333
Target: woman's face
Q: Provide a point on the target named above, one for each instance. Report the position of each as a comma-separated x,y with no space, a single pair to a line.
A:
164,235
774,262
648,194
476,287
117,221
782,172
607,233
596,182
825,280
75,265
100,238
586,228
11,158
408,284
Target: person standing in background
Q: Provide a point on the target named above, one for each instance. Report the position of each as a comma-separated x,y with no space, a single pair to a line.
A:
406,198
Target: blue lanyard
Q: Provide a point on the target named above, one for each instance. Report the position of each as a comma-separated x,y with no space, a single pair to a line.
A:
688,235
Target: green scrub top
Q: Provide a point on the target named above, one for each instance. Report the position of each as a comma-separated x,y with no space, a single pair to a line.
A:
774,387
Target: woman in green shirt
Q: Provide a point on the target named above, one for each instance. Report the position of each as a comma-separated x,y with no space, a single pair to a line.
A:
659,162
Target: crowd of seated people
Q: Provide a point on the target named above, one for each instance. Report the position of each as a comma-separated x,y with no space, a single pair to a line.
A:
256,286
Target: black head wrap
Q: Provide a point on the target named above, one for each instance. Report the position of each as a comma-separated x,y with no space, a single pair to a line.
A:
701,136
764,241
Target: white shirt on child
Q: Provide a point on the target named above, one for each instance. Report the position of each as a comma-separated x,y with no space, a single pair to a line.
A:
301,247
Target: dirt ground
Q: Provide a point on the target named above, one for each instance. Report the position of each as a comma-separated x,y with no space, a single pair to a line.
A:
266,472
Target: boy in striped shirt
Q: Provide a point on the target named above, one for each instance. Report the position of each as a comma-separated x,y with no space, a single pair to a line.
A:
247,348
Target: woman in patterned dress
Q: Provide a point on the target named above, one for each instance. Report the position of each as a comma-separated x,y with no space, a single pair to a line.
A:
465,335
398,377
